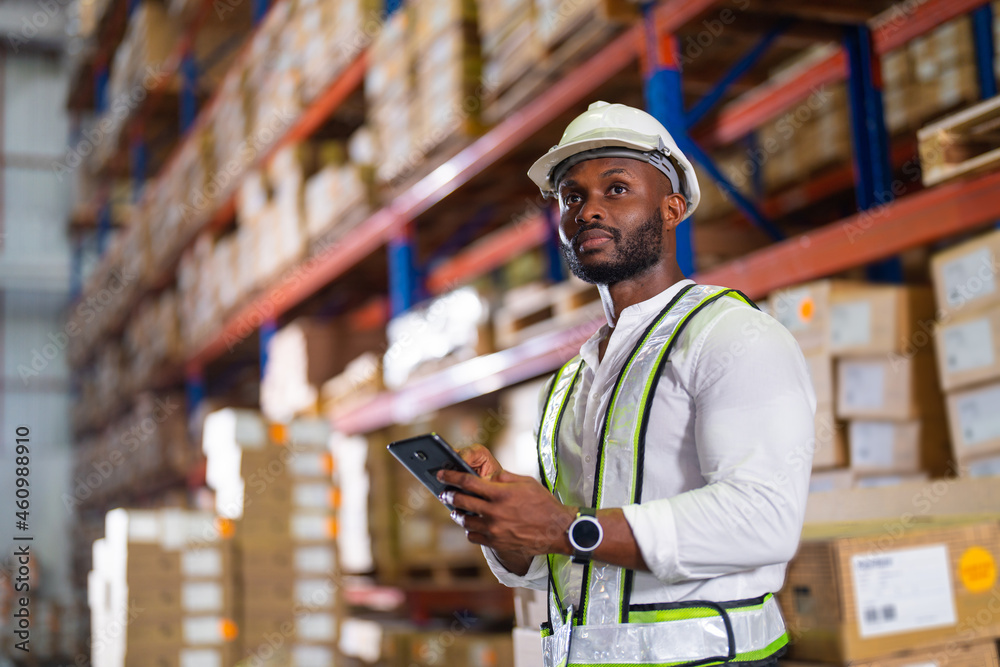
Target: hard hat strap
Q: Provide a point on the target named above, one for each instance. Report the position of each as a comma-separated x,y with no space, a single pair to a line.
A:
657,159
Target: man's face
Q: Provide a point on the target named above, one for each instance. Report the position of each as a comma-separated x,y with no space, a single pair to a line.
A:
611,225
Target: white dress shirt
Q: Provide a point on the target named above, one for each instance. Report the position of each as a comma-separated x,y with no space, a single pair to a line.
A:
728,453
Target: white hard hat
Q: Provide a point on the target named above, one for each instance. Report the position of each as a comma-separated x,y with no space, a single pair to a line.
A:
604,127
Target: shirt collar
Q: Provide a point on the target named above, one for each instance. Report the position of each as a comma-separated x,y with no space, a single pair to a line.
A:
635,316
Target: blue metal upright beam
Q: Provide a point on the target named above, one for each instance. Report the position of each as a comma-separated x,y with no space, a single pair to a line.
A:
101,88
982,32
665,102
735,73
189,91
402,271
139,162
392,6
556,273
194,390
872,170
259,10
103,227
76,270
268,328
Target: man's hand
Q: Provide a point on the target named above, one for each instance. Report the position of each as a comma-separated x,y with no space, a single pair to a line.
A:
515,514
481,460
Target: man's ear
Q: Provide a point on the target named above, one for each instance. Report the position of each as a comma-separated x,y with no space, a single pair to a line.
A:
673,206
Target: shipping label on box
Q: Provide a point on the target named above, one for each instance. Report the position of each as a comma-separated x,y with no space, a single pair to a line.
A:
969,349
888,387
903,590
965,277
872,444
315,559
974,415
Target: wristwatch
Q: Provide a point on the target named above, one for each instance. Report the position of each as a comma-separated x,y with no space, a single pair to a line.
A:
585,534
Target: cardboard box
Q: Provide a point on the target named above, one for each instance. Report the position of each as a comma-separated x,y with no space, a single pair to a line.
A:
880,319
531,608
819,363
988,466
831,439
881,446
974,418
888,387
825,481
906,503
527,647
805,310
880,480
965,277
977,654
858,591
968,349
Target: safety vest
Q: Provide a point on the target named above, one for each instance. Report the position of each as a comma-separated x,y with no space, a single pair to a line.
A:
606,629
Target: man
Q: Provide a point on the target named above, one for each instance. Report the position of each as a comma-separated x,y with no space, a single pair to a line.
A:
674,451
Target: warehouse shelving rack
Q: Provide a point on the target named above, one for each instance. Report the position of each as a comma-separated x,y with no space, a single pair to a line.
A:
869,236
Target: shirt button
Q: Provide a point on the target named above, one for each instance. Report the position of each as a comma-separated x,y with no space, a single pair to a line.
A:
587,459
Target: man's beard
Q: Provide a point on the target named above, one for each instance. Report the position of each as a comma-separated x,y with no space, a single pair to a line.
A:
635,254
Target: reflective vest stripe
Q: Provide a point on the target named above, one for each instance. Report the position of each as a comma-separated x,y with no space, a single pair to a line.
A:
562,388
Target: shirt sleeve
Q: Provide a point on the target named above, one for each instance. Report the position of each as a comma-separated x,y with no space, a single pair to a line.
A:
537,575
754,434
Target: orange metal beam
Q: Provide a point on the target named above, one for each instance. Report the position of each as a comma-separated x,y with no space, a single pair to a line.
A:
866,237
491,253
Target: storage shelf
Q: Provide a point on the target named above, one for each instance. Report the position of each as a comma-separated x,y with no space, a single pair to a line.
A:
909,222
754,109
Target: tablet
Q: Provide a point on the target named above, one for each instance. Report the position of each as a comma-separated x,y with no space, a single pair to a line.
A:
424,455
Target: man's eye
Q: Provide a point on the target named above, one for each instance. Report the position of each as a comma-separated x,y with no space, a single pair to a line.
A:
618,189
571,199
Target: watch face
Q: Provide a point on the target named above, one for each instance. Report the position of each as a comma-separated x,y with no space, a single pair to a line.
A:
586,534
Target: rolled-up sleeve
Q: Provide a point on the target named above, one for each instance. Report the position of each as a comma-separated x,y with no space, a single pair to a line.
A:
754,434
536,577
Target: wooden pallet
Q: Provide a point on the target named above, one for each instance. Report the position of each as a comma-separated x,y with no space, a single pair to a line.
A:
445,573
964,143
535,309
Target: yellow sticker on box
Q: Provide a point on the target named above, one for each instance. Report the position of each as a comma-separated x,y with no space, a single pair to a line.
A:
977,570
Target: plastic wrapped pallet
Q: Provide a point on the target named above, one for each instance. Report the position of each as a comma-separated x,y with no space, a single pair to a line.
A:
440,332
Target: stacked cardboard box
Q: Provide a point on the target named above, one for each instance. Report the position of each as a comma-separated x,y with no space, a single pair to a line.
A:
510,43
447,73
163,591
871,591
282,499
340,195
530,611
931,74
389,92
968,336
302,356
883,383
152,338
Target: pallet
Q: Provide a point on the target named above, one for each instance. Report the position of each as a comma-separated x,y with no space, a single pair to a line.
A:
445,573
535,309
964,143
573,44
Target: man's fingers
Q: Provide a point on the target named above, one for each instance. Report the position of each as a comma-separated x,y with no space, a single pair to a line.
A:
466,482
466,502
